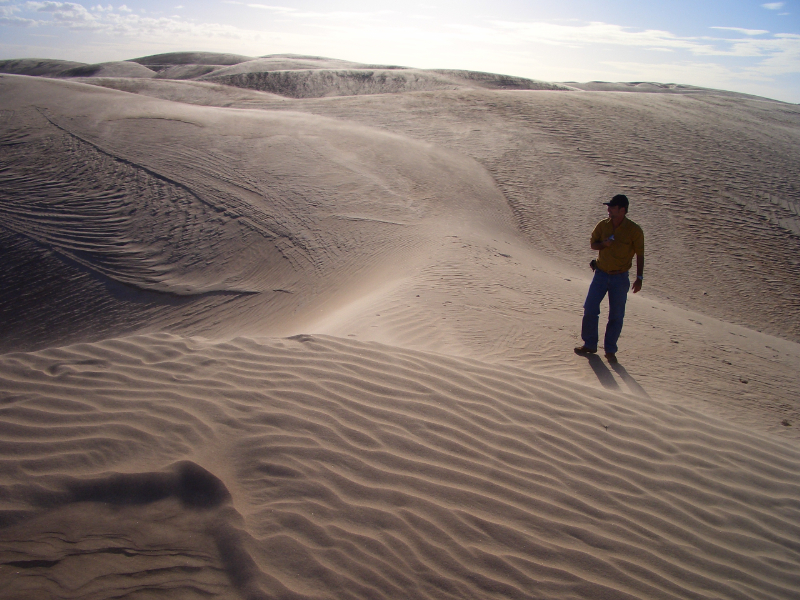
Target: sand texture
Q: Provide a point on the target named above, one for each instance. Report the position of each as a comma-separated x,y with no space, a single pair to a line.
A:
292,327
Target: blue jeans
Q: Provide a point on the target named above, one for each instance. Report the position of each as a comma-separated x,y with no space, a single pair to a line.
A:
616,286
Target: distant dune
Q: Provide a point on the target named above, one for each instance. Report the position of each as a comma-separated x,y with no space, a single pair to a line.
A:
297,327
190,58
318,83
37,67
112,69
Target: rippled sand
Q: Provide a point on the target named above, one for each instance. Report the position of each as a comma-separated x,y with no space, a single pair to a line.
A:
257,346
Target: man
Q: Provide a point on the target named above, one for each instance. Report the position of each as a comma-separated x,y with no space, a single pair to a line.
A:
617,239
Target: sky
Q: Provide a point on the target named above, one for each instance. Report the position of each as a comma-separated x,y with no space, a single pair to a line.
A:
738,45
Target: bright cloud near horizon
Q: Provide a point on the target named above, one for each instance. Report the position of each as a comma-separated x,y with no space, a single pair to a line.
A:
751,47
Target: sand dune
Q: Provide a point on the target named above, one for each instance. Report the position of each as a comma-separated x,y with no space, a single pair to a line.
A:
256,346
190,58
37,67
124,68
188,65
317,81
61,68
650,87
359,470
290,62
186,91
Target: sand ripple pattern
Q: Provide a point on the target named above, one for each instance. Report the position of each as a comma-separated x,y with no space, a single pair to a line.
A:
329,468
112,217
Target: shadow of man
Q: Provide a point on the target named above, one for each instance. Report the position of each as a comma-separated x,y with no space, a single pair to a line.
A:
600,369
634,386
607,380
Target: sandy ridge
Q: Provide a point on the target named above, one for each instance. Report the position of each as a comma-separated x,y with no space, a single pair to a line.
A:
496,480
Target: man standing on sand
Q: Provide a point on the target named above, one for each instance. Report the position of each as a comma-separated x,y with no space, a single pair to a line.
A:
617,239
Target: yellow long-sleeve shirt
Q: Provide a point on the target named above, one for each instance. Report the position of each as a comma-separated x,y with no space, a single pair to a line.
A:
628,240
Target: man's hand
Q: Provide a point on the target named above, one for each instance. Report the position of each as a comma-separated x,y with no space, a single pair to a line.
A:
637,285
601,245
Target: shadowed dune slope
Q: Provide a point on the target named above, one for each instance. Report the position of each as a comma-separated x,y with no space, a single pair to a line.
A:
37,67
494,81
62,68
324,82
193,65
292,62
188,65
207,205
112,69
190,58
324,468
187,91
319,83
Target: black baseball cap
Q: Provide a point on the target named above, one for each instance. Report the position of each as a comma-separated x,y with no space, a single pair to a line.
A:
618,200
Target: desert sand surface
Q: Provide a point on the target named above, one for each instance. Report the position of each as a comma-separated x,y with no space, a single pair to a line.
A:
294,327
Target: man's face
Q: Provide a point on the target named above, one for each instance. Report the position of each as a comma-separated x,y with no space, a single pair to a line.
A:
615,212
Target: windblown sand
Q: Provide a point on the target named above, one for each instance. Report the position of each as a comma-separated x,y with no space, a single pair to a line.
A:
316,341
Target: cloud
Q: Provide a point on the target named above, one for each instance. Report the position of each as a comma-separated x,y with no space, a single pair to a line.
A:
17,22
672,72
104,20
782,55
280,9
779,53
69,14
773,5
592,34
331,19
123,24
744,31
7,16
